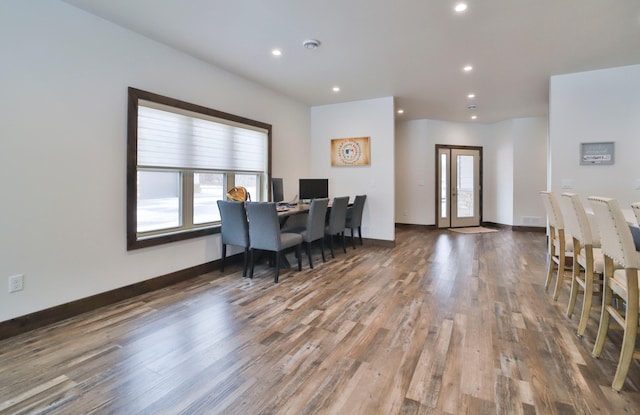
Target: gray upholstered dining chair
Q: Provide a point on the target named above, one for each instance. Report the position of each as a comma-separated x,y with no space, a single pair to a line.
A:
560,243
337,220
234,230
618,249
265,234
314,229
588,261
354,218
636,211
635,230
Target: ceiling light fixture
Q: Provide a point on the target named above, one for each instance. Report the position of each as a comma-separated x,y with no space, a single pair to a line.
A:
471,96
468,68
473,117
400,111
460,7
311,44
276,52
336,89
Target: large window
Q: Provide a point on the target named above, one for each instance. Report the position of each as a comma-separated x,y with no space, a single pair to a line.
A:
181,159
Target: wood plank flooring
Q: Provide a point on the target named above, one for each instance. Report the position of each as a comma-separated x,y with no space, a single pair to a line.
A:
444,323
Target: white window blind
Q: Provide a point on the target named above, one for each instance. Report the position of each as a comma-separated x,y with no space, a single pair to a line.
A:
177,140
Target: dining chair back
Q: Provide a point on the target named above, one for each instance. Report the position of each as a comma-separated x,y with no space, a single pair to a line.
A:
265,235
560,244
588,261
354,218
337,220
234,230
314,230
618,248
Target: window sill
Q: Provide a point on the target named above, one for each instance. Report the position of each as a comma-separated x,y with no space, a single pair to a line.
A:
136,242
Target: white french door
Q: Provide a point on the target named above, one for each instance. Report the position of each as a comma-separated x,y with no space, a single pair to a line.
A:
459,172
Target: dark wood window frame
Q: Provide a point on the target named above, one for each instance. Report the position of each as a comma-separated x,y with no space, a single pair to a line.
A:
135,95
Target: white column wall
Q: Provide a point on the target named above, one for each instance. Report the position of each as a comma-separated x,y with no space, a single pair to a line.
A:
63,125
370,118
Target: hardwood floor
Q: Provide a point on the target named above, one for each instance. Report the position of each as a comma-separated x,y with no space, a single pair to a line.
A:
444,323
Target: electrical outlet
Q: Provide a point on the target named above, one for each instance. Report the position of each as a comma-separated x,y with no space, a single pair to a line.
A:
16,283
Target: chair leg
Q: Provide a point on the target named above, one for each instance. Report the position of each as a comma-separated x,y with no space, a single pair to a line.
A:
360,234
551,253
309,254
574,286
322,248
331,246
299,251
630,330
344,247
252,262
587,298
245,260
550,269
560,278
353,240
278,266
224,255
607,300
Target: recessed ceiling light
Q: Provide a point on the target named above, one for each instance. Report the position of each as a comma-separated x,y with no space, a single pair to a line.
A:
336,89
460,7
471,96
276,52
473,117
400,111
468,68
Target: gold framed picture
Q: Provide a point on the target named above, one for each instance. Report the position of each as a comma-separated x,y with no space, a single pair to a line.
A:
350,151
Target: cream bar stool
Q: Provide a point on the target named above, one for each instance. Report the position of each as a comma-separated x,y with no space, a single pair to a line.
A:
618,248
587,257
560,244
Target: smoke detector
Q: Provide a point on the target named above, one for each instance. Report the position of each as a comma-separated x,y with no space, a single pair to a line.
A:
311,44
472,106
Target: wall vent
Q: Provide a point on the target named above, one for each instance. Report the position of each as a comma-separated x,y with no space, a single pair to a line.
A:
530,220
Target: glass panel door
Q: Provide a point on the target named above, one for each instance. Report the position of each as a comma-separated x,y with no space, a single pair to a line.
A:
466,197
465,186
458,187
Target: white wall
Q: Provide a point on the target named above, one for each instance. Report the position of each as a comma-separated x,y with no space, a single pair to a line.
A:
414,177
63,109
416,171
370,118
498,178
530,136
504,144
596,106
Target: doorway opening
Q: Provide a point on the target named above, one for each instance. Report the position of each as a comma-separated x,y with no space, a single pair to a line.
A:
458,186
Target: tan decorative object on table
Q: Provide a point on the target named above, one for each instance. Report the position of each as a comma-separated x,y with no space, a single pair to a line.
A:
239,194
350,151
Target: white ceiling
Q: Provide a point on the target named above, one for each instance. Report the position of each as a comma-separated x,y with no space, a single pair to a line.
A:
413,50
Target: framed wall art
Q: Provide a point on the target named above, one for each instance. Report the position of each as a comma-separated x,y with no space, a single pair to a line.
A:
350,151
597,153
